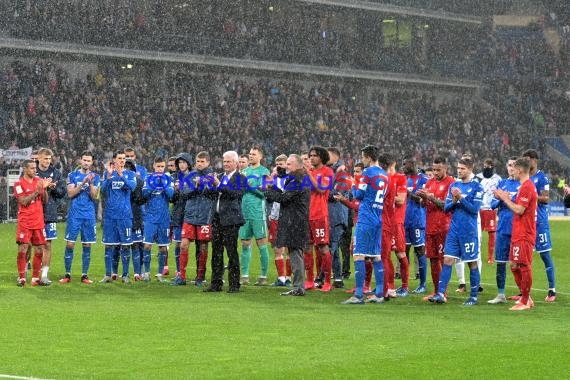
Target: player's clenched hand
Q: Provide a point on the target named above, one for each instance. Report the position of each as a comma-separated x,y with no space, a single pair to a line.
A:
501,194
47,182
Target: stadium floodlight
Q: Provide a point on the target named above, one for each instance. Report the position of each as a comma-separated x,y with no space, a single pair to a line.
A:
129,66
388,21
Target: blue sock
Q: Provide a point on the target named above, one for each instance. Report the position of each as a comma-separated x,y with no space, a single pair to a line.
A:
379,277
474,281
444,278
549,265
136,254
109,252
177,258
359,275
85,259
146,260
501,277
161,261
422,263
125,259
116,258
68,259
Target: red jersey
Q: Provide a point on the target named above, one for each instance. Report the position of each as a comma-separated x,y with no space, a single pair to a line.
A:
437,220
389,208
524,226
319,208
400,185
32,215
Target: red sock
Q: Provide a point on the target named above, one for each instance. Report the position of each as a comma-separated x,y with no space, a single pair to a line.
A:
388,272
202,259
22,263
526,283
404,270
327,266
309,267
280,266
288,267
183,263
36,264
435,265
368,276
491,246
518,277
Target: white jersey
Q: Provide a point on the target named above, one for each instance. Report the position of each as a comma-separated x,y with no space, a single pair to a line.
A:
489,185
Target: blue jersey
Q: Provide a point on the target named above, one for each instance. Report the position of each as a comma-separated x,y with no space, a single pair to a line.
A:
542,183
466,211
370,192
117,192
82,206
157,204
415,213
505,214
141,171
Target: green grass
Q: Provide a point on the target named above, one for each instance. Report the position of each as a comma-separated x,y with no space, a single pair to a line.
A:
150,331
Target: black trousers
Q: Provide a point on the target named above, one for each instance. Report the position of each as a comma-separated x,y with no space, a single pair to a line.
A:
345,242
225,237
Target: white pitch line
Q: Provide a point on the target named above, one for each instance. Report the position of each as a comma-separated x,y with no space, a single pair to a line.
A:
532,289
4,376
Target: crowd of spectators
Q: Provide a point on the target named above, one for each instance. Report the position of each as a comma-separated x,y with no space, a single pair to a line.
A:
285,31
40,105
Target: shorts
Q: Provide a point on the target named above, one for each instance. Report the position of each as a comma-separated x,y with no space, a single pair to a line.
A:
193,232
543,242
521,252
253,228
273,224
176,233
320,231
87,227
51,231
488,220
137,235
399,238
502,248
416,236
117,231
156,233
367,240
27,236
462,246
435,245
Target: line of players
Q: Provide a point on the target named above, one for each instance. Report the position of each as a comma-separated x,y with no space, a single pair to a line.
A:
407,200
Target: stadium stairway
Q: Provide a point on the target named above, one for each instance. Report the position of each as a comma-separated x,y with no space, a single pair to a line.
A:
557,149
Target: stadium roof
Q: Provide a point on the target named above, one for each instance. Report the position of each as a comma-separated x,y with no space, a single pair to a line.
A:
234,63
398,10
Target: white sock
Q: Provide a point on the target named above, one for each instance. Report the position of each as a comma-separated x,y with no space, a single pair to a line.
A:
45,272
282,278
460,269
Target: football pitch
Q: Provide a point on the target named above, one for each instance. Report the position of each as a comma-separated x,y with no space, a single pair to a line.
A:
156,331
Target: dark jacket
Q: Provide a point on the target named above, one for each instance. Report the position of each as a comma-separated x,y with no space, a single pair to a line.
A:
137,201
229,193
198,209
338,213
55,194
179,202
293,228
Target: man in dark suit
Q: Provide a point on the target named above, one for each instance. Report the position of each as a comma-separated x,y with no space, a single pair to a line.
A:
227,192
293,228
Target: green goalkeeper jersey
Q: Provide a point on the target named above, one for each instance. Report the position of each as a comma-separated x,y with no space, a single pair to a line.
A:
253,201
